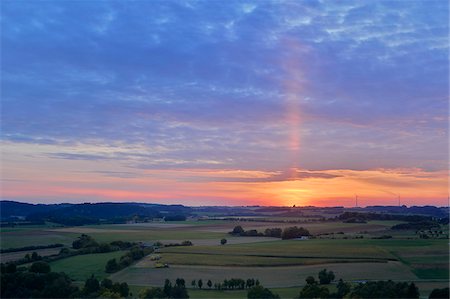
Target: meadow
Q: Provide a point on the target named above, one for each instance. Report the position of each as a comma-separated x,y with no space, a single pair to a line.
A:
282,265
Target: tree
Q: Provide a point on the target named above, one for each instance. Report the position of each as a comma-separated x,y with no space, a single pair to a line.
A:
152,293
310,280
326,277
179,292
111,266
40,267
106,283
223,241
200,283
84,241
167,287
343,288
237,230
180,282
273,232
313,291
35,256
10,268
439,293
209,283
91,285
384,289
259,292
294,232
413,291
186,243
124,290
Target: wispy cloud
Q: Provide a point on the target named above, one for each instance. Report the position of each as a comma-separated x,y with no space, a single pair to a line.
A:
260,86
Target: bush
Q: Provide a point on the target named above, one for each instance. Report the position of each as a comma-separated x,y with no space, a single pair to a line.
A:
84,241
152,293
186,243
91,285
326,277
259,292
111,266
294,232
440,293
385,289
237,230
314,291
273,232
40,267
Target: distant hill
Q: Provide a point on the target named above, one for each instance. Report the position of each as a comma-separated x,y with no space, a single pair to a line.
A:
87,213
10,209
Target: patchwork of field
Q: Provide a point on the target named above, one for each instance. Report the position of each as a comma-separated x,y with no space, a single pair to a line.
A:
279,264
175,232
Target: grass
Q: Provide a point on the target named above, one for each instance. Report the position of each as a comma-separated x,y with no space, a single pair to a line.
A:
35,238
14,256
81,267
418,258
254,261
428,259
282,276
349,249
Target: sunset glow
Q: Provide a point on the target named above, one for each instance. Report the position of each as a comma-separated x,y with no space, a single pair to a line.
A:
225,103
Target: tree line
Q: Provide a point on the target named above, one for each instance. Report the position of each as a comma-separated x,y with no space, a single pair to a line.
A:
227,284
134,254
292,232
82,245
38,281
29,248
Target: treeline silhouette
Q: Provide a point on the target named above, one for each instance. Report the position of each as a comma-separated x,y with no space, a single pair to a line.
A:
288,233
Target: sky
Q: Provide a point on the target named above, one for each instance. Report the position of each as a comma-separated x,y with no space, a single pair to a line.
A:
225,102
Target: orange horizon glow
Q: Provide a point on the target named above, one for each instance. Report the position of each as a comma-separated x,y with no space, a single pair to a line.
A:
200,187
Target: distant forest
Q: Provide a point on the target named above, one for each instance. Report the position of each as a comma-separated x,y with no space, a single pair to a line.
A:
16,213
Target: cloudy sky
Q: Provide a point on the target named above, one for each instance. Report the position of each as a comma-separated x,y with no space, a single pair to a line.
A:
225,102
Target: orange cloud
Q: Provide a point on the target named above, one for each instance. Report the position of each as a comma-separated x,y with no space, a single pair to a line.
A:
240,187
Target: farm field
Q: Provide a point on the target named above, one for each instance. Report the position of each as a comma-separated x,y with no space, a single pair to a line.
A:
281,265
13,256
147,232
81,267
283,276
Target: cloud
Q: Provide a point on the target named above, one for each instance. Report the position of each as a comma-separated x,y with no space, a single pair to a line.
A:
258,85
278,176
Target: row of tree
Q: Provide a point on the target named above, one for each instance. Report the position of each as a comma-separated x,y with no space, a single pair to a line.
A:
227,284
136,253
177,290
29,248
375,289
288,233
82,245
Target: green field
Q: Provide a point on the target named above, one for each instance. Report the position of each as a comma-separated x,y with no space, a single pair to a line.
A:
281,276
81,267
281,265
350,249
